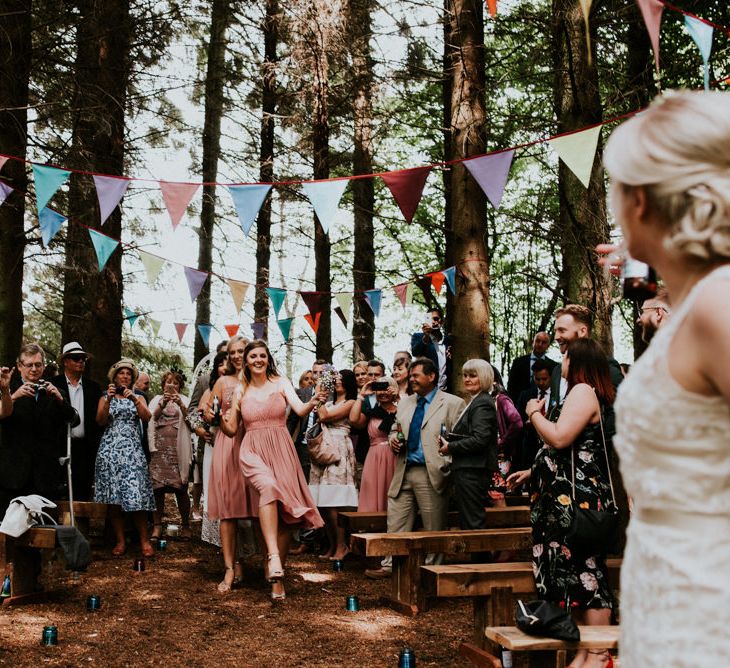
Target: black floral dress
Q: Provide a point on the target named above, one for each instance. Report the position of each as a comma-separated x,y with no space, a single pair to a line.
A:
560,576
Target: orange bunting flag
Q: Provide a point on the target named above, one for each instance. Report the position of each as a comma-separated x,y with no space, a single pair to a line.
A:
492,6
232,330
313,320
437,281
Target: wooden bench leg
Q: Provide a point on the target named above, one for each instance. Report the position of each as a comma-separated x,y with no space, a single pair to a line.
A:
478,656
480,606
407,595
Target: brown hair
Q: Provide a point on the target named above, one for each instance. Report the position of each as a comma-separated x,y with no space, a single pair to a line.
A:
271,371
581,314
176,375
230,369
589,364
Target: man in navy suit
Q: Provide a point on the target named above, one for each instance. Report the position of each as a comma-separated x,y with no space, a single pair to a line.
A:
540,389
520,374
432,342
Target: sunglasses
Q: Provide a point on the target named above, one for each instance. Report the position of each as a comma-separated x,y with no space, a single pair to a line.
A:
76,358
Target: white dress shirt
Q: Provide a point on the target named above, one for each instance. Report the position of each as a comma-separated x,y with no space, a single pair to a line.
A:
76,397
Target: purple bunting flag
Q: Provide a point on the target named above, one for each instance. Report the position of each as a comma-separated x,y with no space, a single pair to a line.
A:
490,172
196,279
109,191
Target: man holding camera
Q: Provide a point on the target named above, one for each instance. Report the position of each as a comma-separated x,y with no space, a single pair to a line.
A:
32,435
433,343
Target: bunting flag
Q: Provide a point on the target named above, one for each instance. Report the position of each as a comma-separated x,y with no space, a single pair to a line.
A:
196,279
177,196
231,330
450,275
325,197
285,327
424,282
341,315
248,200
492,7
47,181
50,222
109,191
490,172
181,328
3,160
204,331
238,292
258,329
652,10
701,33
344,300
5,190
104,247
373,297
154,325
312,301
404,292
313,320
152,265
276,295
437,281
406,186
130,316
578,151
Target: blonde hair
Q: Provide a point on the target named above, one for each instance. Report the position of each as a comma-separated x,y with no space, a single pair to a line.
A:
678,150
483,371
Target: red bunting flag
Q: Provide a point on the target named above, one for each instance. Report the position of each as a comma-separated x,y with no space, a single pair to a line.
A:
231,330
312,300
437,281
402,292
406,186
313,320
180,328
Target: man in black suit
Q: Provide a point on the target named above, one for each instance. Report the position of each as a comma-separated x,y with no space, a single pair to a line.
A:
540,389
520,374
432,342
83,394
32,435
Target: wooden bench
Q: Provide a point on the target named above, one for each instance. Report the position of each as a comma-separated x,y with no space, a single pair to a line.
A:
82,509
512,516
19,560
491,587
409,550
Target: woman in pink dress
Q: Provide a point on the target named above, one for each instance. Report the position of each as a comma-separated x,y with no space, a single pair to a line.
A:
380,461
268,459
230,499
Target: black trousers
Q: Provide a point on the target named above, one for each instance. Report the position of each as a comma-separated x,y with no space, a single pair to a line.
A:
470,496
83,462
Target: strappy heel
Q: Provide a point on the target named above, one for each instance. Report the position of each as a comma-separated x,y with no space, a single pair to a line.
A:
605,655
223,586
274,568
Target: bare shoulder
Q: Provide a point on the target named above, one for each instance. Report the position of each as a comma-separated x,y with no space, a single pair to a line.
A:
709,314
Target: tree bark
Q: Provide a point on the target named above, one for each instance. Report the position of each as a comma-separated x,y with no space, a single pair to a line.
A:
15,62
214,81
92,299
582,219
470,313
363,190
447,85
270,29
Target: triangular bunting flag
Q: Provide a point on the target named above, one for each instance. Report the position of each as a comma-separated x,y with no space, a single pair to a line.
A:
238,292
258,329
232,330
344,299
104,247
109,191
5,190
425,284
406,187
204,331
181,328
3,160
492,7
47,181
325,197
490,172
248,200
50,222
341,315
437,281
312,301
177,196
152,266
313,320
196,279
373,297
401,292
154,325
130,316
285,327
450,276
701,33
578,151
276,295
652,10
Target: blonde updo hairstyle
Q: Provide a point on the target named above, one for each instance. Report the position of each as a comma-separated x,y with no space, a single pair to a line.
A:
678,151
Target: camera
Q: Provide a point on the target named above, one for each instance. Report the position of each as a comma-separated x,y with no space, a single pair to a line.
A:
119,390
379,385
40,387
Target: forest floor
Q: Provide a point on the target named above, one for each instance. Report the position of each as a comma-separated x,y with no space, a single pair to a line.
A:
172,615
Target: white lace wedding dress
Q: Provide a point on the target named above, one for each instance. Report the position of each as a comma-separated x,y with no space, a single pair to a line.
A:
674,447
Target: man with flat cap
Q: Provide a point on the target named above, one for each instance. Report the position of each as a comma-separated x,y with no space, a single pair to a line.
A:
83,394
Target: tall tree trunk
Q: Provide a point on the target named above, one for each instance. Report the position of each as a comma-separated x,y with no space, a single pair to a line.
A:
447,85
15,59
266,170
582,217
92,299
470,313
214,81
363,190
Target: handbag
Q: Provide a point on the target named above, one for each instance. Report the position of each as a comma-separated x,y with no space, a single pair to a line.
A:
593,531
25,512
546,619
322,451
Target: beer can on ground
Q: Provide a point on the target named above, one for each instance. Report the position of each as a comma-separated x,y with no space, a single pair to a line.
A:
352,604
407,658
50,636
93,603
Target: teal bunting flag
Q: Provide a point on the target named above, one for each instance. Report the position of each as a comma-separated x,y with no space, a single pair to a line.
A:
325,197
285,327
276,295
701,33
47,181
130,316
50,223
104,247
204,331
450,275
373,298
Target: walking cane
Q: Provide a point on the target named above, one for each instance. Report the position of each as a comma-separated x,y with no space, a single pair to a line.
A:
68,473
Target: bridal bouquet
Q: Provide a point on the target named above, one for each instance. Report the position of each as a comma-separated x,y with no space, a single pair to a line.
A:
328,378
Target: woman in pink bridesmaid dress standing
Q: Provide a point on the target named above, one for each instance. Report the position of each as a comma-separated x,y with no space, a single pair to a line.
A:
268,459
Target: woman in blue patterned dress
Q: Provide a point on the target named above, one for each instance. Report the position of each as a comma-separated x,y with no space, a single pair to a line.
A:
122,475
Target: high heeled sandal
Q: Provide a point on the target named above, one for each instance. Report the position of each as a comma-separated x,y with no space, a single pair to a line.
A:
223,586
604,654
275,571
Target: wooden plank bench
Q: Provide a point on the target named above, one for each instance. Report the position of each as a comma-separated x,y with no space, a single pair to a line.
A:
491,587
19,560
409,550
512,516
89,510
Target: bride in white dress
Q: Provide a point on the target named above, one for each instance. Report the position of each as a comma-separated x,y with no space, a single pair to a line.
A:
670,171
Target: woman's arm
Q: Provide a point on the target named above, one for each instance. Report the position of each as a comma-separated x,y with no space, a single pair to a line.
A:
6,404
334,413
297,405
140,404
581,407
102,411
229,419
357,419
